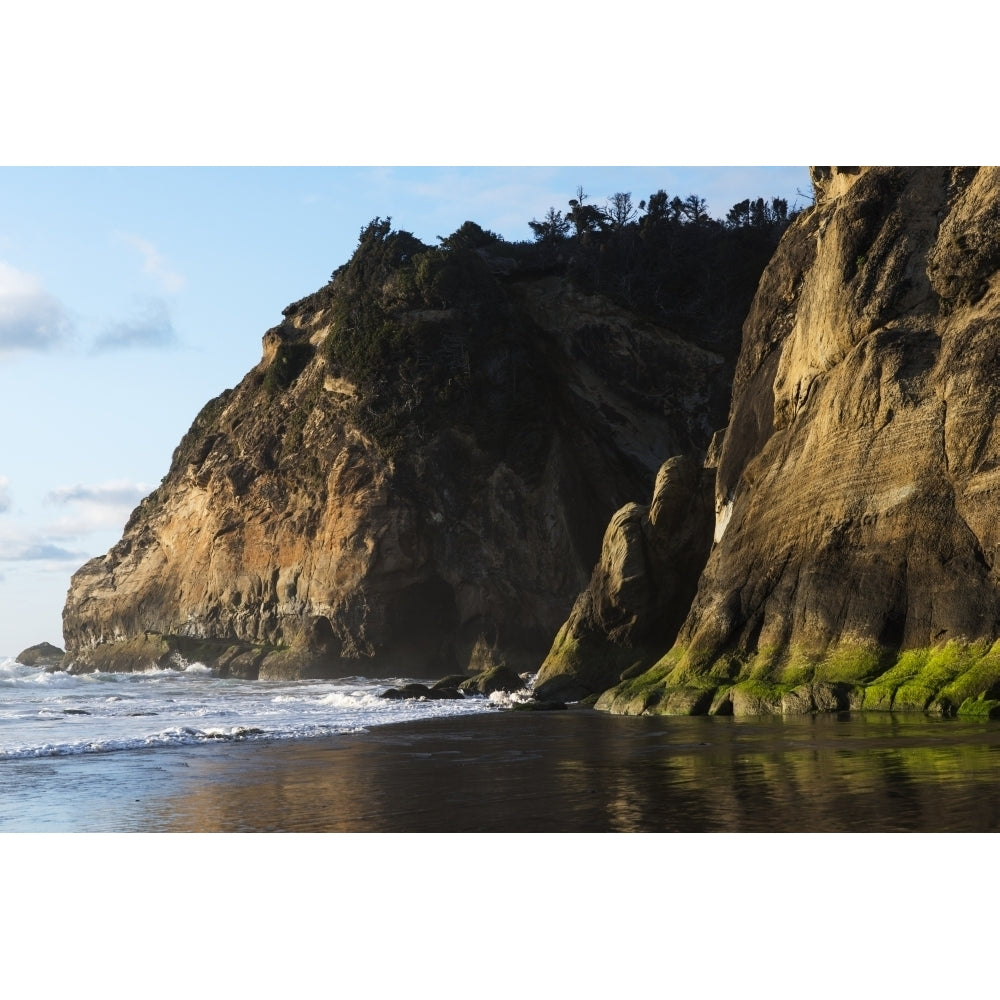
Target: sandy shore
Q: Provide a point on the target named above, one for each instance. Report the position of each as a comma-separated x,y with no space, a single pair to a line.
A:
528,772
500,772
497,772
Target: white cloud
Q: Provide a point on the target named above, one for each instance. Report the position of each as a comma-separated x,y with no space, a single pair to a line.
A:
150,326
30,318
101,507
33,546
63,543
117,492
4,494
154,263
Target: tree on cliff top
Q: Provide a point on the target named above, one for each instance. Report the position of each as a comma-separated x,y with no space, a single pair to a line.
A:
469,236
552,229
381,250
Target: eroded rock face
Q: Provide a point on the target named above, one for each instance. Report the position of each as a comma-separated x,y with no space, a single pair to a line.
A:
859,478
640,589
295,536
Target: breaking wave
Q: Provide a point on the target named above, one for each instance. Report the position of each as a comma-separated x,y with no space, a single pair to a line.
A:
58,714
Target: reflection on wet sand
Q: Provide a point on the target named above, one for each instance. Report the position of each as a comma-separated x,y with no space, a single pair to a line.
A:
586,771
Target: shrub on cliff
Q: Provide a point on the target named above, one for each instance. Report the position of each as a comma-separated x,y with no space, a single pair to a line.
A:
288,365
431,339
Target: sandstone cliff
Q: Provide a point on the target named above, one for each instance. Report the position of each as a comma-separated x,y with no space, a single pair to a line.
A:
416,475
640,590
857,484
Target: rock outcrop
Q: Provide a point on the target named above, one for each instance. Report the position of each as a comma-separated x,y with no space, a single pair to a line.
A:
422,463
640,589
858,481
42,654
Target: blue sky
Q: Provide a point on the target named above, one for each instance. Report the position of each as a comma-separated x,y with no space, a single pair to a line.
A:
131,296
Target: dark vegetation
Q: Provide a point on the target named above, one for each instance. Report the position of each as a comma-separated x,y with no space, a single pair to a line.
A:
668,260
288,365
432,340
432,337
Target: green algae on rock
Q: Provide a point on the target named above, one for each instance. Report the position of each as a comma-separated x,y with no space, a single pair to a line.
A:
856,537
955,678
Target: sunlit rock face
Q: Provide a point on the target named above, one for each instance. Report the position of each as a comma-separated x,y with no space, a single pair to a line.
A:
308,527
858,482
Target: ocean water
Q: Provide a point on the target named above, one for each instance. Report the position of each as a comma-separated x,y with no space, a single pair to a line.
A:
59,714
180,751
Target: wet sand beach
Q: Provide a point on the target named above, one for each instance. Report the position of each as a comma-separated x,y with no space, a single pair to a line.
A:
573,771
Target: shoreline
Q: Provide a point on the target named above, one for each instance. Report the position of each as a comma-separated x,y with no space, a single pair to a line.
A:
534,772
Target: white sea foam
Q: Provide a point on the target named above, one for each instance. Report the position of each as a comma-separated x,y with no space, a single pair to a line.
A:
56,714
351,699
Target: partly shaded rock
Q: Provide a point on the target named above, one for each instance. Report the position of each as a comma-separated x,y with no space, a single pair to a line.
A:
797,702
858,480
755,699
450,684
821,697
43,654
418,691
314,523
539,705
500,678
721,704
406,691
640,590
830,697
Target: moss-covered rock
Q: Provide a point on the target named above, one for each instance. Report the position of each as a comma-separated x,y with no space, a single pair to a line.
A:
856,534
753,697
980,708
953,677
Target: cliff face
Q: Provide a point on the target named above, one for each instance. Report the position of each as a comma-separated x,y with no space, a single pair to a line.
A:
640,589
407,476
856,537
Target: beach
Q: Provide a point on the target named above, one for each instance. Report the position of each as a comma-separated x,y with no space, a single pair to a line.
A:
535,772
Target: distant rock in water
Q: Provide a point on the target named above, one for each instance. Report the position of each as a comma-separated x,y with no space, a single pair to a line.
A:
423,462
419,691
856,547
43,654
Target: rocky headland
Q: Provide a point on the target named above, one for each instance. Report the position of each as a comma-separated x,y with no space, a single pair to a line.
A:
415,479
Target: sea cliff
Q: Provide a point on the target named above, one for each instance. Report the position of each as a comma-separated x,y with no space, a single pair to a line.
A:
415,478
854,561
